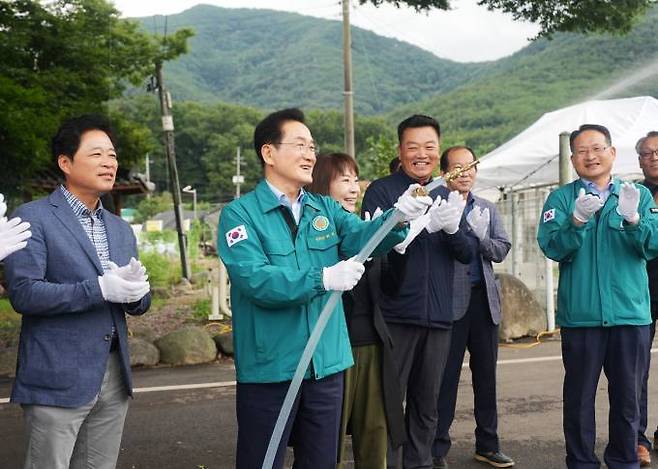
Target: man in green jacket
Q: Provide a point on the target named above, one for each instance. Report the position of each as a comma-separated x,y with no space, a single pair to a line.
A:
285,251
602,232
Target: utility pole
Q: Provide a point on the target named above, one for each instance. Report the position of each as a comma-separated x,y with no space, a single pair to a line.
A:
170,150
237,179
348,94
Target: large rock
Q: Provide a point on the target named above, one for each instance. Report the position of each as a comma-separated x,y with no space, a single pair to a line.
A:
8,361
144,332
522,314
189,345
224,342
143,352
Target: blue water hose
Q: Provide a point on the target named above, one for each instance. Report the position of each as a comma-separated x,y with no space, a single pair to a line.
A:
318,329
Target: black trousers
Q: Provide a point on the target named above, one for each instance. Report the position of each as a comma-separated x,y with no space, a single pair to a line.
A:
621,351
312,428
477,332
641,437
420,355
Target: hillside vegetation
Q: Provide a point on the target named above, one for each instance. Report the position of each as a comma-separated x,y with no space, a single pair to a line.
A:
273,59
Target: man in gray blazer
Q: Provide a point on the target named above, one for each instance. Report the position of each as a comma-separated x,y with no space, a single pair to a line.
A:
476,306
73,371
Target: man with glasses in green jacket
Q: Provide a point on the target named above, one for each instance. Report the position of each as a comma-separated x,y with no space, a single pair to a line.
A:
602,232
285,251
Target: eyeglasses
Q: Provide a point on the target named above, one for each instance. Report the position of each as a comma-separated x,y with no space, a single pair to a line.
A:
598,151
303,148
648,154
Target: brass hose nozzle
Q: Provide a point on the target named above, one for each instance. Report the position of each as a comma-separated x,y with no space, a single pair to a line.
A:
455,173
449,176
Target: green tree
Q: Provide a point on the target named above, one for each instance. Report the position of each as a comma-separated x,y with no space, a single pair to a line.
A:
553,15
148,207
64,58
375,161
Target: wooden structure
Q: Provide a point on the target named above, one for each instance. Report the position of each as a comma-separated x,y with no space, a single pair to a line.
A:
126,183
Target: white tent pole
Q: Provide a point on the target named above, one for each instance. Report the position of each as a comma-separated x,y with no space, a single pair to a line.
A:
516,242
565,163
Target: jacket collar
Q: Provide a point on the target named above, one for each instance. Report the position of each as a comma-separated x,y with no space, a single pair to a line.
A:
63,211
651,186
268,201
405,177
614,182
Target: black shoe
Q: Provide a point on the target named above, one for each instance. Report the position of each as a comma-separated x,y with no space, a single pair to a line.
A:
494,458
439,463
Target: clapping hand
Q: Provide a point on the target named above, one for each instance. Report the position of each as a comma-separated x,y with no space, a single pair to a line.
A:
478,219
629,200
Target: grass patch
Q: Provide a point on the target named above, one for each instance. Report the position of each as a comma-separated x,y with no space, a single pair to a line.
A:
162,271
201,309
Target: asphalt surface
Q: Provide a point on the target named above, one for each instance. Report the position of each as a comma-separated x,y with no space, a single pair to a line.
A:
196,428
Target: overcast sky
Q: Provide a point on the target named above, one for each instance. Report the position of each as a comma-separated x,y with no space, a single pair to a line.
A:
467,33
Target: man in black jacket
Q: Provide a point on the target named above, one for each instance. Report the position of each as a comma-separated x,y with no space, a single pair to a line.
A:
647,150
419,316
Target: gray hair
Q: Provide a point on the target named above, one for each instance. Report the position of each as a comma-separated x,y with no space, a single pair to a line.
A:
640,142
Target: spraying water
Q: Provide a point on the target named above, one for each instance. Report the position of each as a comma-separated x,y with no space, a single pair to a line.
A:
622,85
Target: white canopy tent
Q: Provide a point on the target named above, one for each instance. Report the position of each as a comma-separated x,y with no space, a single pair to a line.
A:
531,158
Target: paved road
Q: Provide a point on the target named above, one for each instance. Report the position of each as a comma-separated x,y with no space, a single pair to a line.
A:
193,428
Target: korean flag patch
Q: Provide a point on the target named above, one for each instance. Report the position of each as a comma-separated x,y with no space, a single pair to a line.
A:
549,215
237,234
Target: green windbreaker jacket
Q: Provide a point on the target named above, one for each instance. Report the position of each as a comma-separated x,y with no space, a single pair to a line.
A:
603,277
277,292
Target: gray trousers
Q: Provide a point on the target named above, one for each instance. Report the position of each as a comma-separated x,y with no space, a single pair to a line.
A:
83,437
420,355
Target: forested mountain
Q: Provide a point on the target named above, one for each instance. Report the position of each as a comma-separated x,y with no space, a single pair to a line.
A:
273,59
270,59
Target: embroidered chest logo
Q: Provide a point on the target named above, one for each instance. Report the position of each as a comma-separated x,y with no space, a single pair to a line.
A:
320,223
237,234
549,215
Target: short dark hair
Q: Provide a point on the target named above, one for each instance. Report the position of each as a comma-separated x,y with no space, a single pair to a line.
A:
327,168
394,165
597,128
415,121
269,129
67,139
640,142
443,162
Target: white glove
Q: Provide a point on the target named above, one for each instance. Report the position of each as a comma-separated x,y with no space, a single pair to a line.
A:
13,233
446,214
629,199
134,271
413,206
342,276
376,214
586,206
478,219
415,228
118,290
